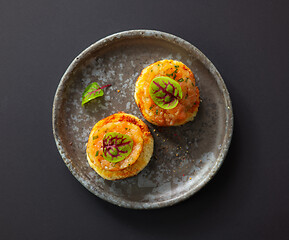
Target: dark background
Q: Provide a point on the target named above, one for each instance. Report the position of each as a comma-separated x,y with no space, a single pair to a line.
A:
248,42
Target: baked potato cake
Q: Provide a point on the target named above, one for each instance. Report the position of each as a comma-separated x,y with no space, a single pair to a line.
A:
166,93
119,146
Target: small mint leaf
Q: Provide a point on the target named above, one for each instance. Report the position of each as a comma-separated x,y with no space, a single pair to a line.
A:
116,146
165,92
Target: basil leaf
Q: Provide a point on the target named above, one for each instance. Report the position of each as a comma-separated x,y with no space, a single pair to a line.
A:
165,92
116,146
92,91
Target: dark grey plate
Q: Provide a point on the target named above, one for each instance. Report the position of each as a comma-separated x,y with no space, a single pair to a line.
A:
185,158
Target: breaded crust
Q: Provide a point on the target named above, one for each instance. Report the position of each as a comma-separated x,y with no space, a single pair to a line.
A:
187,107
142,160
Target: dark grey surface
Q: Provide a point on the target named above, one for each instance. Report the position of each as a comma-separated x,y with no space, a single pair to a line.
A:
247,42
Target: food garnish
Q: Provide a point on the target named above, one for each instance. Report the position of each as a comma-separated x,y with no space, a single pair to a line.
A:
116,146
165,92
92,91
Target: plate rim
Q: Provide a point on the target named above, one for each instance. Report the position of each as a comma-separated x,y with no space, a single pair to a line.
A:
155,35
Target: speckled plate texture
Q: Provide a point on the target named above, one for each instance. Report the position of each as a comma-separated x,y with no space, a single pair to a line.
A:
185,158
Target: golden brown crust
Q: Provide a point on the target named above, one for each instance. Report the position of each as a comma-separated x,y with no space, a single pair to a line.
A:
143,158
188,106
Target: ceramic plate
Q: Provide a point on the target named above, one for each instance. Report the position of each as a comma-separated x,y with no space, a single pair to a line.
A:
185,158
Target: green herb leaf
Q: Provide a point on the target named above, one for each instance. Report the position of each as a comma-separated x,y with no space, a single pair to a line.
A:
91,92
116,146
165,92
181,80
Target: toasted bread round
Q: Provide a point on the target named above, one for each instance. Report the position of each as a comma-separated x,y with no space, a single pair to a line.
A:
141,152
187,106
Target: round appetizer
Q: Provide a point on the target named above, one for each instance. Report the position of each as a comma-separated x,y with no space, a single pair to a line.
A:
166,93
119,146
